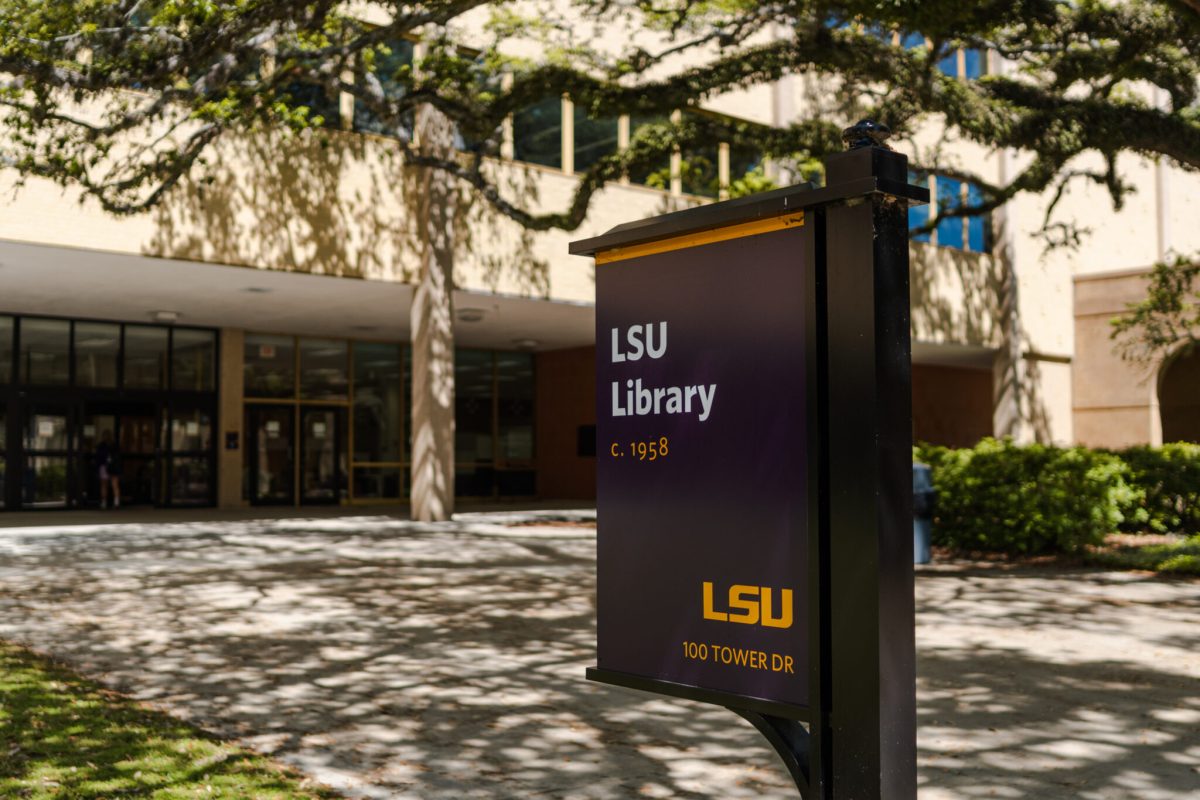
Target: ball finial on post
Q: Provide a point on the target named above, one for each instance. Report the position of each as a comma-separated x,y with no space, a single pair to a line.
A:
866,133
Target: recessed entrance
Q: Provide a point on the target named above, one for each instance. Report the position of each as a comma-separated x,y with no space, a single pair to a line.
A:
277,468
1179,398
71,389
133,428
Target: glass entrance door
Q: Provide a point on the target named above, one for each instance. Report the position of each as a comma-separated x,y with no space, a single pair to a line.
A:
134,432
4,501
270,430
47,451
322,473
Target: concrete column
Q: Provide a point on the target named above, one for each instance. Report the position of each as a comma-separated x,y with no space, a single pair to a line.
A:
229,418
346,102
568,135
623,141
676,160
435,202
1162,207
508,147
723,170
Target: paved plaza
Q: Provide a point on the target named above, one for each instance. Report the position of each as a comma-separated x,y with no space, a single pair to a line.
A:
445,661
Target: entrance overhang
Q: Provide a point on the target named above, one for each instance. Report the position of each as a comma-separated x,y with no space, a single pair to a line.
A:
70,282
949,354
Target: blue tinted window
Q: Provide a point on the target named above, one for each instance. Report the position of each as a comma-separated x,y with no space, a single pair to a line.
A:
918,215
876,31
911,41
949,229
977,226
949,64
974,64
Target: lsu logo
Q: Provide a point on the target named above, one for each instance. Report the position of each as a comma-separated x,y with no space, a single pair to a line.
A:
751,605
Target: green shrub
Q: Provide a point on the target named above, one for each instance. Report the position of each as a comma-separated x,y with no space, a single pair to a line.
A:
1026,500
1169,480
1179,557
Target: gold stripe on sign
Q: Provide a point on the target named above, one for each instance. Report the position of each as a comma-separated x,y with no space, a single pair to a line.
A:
758,226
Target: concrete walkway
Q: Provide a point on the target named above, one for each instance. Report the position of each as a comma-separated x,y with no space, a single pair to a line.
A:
400,660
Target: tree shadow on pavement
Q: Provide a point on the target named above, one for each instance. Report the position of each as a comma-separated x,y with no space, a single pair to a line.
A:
400,660
997,723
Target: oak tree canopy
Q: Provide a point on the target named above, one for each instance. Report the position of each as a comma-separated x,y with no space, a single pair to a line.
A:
124,98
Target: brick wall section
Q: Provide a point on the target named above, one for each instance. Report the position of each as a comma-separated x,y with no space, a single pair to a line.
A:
566,399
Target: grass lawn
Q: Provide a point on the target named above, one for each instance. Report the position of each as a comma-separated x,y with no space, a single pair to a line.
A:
1180,557
65,737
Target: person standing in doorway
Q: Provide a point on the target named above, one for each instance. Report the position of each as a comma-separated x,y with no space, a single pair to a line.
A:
108,465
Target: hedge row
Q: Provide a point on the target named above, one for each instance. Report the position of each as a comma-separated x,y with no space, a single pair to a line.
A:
1169,479
1035,499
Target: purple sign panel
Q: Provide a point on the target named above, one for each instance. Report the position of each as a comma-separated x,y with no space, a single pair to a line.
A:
703,484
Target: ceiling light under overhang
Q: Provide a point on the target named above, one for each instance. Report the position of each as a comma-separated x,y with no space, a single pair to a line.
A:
470,314
165,316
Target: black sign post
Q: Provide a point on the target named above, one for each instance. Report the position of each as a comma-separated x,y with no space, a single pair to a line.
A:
754,446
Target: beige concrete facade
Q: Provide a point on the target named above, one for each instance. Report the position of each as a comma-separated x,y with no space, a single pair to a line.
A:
323,228
1115,401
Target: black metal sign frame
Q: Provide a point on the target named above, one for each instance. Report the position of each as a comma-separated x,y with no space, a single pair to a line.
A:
855,738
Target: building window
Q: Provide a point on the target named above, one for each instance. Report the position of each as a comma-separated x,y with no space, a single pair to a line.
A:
3,454
698,171
494,422
46,351
45,484
380,388
974,63
193,360
537,133
191,430
380,483
743,161
949,197
6,349
918,216
972,233
949,64
515,424
324,371
46,432
191,480
594,139
473,400
97,352
390,63
656,175
378,402
971,66
270,366
979,232
145,357
323,109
